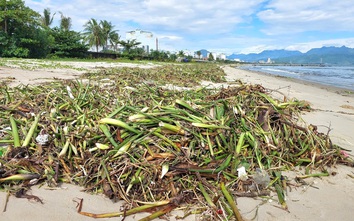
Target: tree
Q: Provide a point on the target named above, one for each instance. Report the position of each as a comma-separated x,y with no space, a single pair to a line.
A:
129,44
21,35
130,50
135,53
114,39
211,57
159,55
47,19
68,44
14,14
93,34
181,53
65,22
172,57
107,32
199,53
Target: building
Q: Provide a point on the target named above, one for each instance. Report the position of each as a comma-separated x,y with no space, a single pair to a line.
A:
269,61
217,55
146,39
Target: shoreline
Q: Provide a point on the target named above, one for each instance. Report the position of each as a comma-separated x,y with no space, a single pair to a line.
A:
332,88
315,83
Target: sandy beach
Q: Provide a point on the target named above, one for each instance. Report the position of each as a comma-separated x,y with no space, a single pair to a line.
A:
327,198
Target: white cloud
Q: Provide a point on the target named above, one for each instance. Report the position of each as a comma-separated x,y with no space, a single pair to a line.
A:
258,49
223,25
170,37
306,46
286,17
238,44
173,15
191,21
195,16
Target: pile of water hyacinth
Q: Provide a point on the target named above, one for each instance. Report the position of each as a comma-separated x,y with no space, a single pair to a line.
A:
120,132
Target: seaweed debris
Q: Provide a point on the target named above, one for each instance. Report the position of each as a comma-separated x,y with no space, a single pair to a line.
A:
119,132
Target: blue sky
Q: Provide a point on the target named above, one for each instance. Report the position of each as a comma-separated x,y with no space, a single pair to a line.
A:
229,26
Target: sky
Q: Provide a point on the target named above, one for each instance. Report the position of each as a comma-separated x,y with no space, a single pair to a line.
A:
224,26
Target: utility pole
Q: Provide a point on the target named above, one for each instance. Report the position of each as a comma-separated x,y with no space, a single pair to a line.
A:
157,44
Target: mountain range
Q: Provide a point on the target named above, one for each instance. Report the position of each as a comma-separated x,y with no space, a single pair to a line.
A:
325,55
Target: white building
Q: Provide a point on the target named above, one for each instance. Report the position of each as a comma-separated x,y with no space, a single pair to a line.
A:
269,61
146,39
217,55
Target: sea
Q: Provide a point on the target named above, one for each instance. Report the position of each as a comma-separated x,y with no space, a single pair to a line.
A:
337,76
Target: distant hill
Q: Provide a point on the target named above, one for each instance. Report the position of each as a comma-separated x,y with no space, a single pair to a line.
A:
330,50
264,55
327,55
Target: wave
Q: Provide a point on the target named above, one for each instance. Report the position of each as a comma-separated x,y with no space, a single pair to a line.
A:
280,71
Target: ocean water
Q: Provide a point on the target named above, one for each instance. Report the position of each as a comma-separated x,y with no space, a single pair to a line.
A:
338,76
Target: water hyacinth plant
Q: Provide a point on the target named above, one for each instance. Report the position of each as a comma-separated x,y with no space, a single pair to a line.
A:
137,141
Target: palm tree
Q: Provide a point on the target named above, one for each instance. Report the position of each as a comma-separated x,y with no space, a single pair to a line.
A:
181,53
199,53
46,19
93,34
114,39
65,22
107,31
129,44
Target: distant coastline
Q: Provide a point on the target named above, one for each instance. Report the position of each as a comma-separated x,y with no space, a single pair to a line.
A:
291,64
342,56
